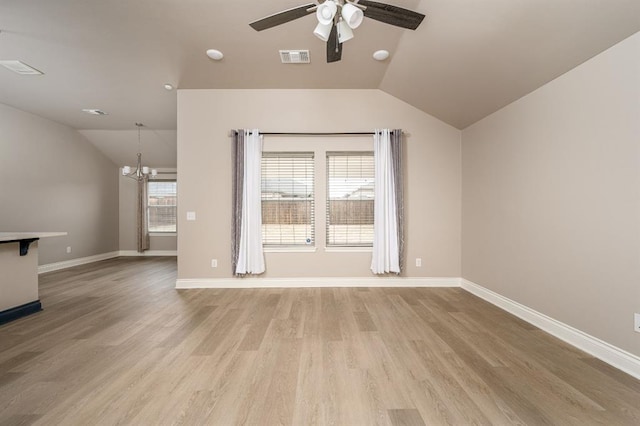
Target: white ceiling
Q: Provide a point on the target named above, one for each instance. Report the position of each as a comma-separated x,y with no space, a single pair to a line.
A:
468,58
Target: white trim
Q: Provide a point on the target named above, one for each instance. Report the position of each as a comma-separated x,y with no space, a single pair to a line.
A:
148,253
351,249
185,283
76,262
291,249
619,358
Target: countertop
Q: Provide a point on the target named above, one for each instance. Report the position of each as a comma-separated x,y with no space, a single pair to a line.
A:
15,236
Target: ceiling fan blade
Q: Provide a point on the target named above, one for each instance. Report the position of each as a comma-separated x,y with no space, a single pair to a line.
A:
392,15
334,47
282,17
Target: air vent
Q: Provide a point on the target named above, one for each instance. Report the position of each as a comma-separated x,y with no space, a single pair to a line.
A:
294,56
20,68
95,111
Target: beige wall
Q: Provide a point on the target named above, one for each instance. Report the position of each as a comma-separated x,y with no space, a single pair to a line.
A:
128,194
53,179
204,165
551,198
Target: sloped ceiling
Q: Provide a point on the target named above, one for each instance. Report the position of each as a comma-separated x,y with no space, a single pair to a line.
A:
467,59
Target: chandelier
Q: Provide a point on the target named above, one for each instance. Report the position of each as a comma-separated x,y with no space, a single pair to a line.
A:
140,172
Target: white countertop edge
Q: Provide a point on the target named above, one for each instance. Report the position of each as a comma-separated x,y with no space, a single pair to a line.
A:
11,236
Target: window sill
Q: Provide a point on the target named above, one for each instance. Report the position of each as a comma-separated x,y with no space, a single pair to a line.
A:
289,249
348,249
163,234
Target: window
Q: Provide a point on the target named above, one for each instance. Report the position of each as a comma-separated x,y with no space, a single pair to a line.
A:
350,194
287,199
162,206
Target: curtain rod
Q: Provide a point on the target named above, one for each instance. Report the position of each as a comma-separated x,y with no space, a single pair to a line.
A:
315,133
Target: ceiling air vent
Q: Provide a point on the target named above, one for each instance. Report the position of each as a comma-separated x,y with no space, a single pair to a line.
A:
20,68
294,56
94,111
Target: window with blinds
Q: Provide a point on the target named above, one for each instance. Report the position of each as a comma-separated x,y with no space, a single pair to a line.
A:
350,195
287,199
162,206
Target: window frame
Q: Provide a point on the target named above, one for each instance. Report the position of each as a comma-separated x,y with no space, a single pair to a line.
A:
283,248
348,246
161,233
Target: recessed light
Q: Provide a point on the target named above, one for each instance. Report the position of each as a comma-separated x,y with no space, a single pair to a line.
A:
168,86
380,55
214,54
20,68
95,111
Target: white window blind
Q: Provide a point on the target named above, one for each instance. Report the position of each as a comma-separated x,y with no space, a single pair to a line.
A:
350,195
162,206
287,199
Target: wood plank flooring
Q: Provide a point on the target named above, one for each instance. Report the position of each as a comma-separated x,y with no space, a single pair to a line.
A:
117,344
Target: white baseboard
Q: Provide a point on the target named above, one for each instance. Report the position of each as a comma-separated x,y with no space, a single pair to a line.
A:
50,267
148,253
316,282
619,358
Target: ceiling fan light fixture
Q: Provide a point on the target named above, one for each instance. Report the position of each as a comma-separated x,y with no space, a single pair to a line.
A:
342,22
326,11
344,31
323,31
352,15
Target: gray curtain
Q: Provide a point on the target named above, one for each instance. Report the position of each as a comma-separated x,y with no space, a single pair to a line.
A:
143,226
398,176
237,140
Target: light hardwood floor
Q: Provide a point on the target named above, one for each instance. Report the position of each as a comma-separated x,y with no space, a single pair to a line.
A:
117,344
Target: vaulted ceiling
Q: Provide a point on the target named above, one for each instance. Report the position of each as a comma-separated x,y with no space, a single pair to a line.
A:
468,59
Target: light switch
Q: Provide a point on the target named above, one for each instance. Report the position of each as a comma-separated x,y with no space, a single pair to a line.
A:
191,215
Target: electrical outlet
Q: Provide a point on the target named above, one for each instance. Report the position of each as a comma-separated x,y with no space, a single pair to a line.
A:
636,323
191,215
214,263
69,249
418,262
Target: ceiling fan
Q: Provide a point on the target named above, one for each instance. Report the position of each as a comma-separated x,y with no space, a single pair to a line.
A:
335,27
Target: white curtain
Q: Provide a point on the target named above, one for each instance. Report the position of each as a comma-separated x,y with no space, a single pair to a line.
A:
250,253
386,246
